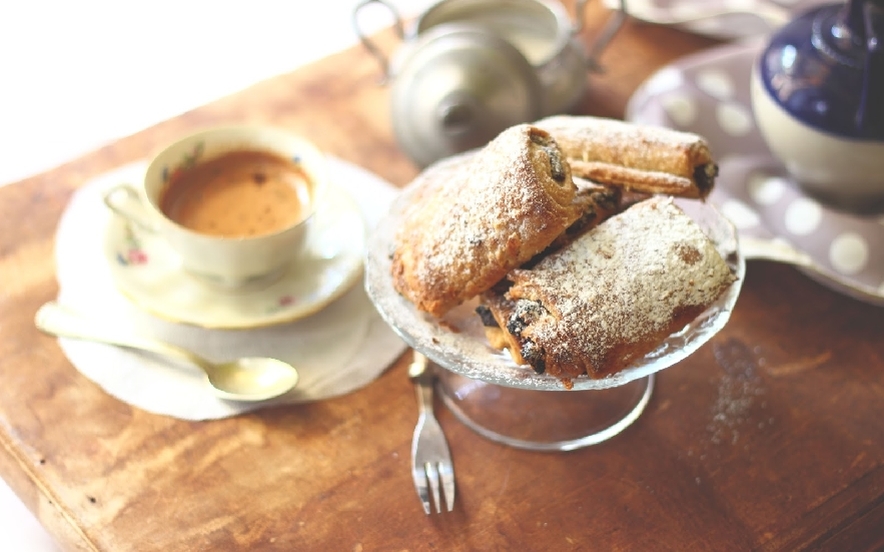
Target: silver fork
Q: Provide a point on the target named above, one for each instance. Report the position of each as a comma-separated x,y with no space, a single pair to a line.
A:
431,466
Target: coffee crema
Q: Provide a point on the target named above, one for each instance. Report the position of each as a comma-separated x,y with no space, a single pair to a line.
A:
238,194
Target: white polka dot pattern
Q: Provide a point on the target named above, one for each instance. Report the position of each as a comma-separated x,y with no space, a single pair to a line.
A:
803,216
735,119
849,253
664,81
680,108
716,83
740,214
766,190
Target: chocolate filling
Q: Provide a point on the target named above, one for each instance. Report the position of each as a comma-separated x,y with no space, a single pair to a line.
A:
557,167
705,175
525,314
486,316
608,199
534,356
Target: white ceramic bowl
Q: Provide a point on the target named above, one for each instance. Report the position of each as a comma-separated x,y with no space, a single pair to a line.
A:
837,170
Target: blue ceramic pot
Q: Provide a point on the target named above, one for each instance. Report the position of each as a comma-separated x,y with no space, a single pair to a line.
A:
818,97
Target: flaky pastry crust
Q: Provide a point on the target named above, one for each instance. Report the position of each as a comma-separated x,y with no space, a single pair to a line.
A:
481,215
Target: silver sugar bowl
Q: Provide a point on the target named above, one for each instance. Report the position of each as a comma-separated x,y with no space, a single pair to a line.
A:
468,69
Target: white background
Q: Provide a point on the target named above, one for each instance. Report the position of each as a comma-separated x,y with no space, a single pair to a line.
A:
75,75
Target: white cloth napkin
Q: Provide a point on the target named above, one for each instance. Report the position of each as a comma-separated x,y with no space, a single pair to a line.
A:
337,351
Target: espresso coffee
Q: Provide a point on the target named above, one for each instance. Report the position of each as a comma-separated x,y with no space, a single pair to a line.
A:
238,194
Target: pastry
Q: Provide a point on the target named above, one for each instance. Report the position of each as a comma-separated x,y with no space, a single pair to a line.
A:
609,297
597,203
640,158
477,216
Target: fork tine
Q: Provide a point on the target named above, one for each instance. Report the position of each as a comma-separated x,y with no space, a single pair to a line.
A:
420,483
433,478
446,473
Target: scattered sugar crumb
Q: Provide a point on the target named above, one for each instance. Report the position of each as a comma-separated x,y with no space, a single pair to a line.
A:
738,390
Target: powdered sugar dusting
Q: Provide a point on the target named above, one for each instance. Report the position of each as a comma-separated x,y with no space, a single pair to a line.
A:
482,216
738,390
571,131
617,290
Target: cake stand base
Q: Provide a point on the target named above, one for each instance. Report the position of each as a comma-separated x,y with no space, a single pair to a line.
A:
544,420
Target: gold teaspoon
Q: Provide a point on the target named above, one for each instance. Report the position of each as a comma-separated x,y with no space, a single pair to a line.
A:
244,379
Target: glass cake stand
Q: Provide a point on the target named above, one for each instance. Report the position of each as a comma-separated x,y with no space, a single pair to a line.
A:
511,404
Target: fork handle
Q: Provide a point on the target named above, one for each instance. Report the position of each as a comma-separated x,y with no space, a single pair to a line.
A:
422,377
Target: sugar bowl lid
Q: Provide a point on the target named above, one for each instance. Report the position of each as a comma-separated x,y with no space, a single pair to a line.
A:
825,68
456,87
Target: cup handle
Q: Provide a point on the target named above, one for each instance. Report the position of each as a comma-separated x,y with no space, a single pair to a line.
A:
369,44
610,29
124,200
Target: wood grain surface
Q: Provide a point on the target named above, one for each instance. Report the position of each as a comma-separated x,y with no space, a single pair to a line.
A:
770,437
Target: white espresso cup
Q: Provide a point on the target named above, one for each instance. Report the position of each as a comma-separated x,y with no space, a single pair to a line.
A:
228,261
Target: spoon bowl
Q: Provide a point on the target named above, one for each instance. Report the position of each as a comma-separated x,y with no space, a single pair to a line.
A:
252,378
243,379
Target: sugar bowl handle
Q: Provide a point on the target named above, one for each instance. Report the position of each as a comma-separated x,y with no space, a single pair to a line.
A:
608,31
369,44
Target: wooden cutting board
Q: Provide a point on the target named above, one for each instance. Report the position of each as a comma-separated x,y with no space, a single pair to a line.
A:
770,437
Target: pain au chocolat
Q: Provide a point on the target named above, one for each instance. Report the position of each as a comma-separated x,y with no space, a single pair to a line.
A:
638,158
610,296
579,265
478,216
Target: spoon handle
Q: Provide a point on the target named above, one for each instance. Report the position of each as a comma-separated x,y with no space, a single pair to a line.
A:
55,320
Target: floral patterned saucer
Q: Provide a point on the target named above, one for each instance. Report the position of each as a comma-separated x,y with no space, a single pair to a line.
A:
149,273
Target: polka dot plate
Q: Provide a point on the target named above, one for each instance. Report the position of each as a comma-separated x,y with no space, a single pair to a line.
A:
708,93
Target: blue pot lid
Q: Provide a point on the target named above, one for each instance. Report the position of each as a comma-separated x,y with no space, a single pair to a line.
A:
825,69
